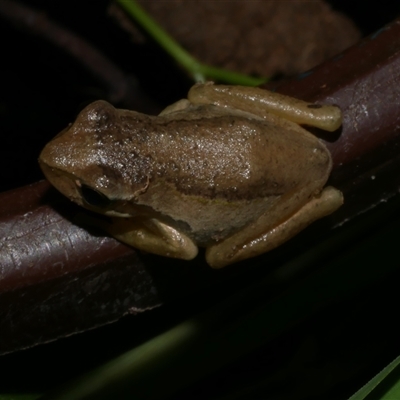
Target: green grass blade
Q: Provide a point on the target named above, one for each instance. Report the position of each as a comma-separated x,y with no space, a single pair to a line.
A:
197,70
383,386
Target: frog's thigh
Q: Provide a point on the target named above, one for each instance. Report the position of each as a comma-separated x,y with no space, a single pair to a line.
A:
253,240
153,236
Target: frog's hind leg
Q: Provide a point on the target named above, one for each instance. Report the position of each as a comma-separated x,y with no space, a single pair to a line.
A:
153,236
264,235
261,102
174,107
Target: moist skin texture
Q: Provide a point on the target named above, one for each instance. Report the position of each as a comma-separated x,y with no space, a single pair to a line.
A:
197,173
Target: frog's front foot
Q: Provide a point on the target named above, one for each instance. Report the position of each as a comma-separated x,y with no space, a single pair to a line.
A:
153,236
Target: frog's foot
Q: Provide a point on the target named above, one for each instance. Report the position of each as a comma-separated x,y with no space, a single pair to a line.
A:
153,236
254,240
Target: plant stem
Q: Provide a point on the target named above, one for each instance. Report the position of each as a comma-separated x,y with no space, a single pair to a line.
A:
200,72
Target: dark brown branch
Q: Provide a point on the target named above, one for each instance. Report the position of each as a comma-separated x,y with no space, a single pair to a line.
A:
45,259
364,82
54,270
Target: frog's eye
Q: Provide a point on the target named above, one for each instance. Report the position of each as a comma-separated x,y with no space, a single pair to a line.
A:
93,197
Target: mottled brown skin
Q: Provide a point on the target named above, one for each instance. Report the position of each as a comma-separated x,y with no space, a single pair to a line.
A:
206,171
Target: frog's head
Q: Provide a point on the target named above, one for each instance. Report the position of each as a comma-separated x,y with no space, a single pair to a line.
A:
89,163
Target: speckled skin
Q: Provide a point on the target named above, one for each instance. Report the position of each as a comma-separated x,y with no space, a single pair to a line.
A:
206,171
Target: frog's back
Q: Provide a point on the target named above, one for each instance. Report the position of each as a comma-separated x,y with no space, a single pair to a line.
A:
215,154
213,172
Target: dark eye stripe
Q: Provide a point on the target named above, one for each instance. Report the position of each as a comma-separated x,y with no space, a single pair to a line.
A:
93,197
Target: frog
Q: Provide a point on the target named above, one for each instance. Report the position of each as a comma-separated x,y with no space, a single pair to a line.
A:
231,169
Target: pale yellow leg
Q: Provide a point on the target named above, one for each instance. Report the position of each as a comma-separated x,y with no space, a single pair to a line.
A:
264,235
153,236
177,106
260,101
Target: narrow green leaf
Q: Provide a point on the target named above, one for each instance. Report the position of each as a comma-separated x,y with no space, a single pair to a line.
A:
200,72
383,386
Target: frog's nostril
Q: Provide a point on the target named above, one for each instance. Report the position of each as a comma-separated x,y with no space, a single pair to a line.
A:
93,197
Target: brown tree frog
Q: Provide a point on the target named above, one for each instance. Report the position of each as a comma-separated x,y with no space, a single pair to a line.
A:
229,169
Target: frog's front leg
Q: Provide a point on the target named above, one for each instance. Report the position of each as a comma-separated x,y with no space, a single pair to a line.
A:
260,102
268,232
153,236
